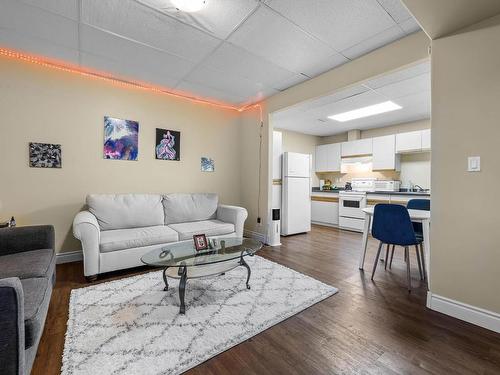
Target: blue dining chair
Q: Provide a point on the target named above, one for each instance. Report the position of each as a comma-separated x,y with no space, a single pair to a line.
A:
392,226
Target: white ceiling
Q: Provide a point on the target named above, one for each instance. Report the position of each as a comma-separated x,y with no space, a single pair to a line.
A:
237,51
410,88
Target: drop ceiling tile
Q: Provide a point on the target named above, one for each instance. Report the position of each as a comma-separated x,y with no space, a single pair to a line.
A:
315,68
142,58
29,21
237,61
189,88
376,41
232,84
410,26
292,81
348,104
37,46
270,36
406,87
339,23
218,17
399,75
125,70
143,24
335,97
66,8
396,9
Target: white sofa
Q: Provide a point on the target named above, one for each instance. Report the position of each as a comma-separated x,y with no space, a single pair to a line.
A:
117,229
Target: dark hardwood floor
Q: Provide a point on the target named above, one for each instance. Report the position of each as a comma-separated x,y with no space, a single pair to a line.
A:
366,328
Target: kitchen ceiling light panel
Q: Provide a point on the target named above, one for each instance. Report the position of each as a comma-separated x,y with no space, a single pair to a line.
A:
372,110
218,17
239,62
340,23
66,8
270,36
143,24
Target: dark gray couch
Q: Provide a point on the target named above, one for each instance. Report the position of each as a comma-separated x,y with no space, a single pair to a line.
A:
27,275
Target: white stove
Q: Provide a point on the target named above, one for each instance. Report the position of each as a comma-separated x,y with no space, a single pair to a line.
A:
351,215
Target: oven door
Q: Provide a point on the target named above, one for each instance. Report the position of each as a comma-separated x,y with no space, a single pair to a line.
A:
352,206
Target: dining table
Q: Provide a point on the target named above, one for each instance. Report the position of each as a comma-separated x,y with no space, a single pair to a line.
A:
418,216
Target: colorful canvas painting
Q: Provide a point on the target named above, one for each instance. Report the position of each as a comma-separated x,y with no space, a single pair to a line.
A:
168,144
121,139
207,165
45,155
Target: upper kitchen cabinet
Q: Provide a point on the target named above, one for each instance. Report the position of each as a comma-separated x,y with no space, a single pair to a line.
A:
358,147
328,158
426,140
384,154
413,141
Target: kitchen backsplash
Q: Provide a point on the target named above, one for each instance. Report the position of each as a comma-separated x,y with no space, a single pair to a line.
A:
340,179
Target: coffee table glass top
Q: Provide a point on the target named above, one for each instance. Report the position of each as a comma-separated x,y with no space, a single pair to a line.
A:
184,253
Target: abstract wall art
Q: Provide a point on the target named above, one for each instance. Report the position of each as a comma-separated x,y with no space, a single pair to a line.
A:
168,144
207,164
45,155
121,139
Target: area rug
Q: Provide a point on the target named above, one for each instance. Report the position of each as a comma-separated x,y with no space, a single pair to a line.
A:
132,326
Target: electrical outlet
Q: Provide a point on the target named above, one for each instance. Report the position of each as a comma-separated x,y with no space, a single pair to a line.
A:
258,220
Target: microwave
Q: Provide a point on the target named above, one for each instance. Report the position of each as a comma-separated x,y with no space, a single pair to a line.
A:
387,185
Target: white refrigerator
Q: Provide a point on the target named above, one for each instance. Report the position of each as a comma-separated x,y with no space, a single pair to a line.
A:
296,194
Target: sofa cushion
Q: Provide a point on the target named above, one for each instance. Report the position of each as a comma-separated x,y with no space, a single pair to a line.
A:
121,239
36,303
26,264
208,227
121,211
182,208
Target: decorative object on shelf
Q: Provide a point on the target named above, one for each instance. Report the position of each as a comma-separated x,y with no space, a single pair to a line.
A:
200,242
168,144
12,222
45,155
207,164
121,139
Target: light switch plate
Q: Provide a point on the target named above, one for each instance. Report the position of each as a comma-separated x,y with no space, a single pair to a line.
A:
474,164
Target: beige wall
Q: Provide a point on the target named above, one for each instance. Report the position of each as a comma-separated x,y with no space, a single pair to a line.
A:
395,129
400,54
43,105
465,255
302,143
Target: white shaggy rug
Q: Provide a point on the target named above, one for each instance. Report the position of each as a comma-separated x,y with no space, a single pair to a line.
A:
131,326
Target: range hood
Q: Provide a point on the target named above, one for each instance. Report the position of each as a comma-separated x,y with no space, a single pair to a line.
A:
356,164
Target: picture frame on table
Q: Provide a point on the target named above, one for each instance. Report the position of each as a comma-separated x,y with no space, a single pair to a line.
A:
200,242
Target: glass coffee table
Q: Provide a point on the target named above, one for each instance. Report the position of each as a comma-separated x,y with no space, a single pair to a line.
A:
182,261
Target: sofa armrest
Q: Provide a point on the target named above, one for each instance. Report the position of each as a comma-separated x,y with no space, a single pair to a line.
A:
19,239
233,214
11,326
87,230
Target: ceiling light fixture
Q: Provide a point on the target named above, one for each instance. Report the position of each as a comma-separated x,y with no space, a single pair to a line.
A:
366,111
189,5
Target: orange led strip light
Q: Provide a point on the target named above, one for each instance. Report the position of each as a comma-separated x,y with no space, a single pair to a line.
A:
110,78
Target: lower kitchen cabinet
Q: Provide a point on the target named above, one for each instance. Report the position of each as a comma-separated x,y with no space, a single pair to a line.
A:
325,210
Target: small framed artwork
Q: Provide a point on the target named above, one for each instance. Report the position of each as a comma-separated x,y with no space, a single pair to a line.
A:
200,242
121,139
45,155
207,164
168,144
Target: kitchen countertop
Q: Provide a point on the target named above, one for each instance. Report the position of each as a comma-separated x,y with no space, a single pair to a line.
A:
408,193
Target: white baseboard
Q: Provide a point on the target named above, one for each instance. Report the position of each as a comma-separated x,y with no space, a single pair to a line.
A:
472,314
257,235
68,257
